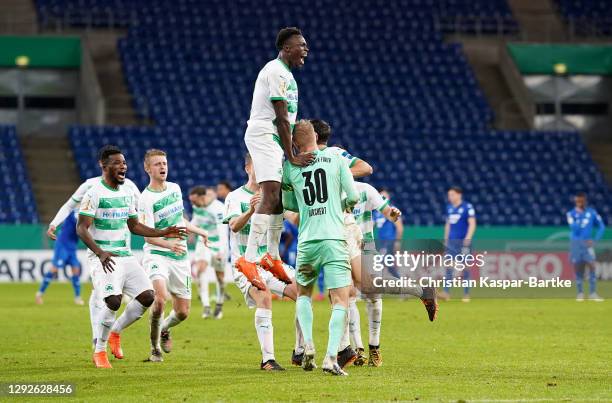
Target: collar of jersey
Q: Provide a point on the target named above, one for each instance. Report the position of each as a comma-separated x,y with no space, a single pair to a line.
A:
158,191
247,190
106,185
283,63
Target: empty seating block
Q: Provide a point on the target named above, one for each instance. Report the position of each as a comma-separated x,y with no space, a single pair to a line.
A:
17,205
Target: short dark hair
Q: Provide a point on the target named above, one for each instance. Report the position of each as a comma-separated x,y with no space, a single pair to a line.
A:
323,130
285,34
581,194
456,189
198,190
383,189
227,184
247,158
106,151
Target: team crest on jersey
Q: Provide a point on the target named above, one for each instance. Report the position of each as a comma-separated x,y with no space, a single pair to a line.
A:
109,287
154,266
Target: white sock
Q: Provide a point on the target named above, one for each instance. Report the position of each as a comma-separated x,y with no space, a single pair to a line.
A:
133,311
265,333
170,321
299,338
156,319
374,308
275,229
220,292
204,293
355,323
345,341
259,229
94,313
105,320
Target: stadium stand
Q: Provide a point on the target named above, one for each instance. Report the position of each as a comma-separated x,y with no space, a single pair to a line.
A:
17,203
589,17
395,92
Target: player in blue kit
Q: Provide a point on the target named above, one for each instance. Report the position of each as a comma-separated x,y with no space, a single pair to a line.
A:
458,233
64,254
582,221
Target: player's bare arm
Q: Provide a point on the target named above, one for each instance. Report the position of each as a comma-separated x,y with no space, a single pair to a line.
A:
83,225
392,213
361,169
194,229
237,223
284,132
470,232
140,229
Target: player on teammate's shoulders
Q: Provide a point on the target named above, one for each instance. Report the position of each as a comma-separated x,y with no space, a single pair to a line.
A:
208,214
106,210
64,254
316,192
268,136
582,219
458,234
240,206
95,300
165,260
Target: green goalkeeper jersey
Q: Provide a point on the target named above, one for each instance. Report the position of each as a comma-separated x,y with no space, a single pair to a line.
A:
316,192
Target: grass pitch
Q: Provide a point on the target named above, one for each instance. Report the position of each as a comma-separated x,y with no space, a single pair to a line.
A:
485,350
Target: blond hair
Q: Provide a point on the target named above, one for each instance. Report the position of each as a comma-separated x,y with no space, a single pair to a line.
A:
153,152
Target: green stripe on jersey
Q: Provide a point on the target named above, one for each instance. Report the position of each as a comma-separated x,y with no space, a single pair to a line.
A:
166,201
119,253
109,224
114,244
215,238
169,221
170,255
365,217
114,202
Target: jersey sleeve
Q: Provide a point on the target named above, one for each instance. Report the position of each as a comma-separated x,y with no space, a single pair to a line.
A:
375,200
133,209
135,191
232,208
78,195
145,212
277,86
601,227
470,211
347,184
89,204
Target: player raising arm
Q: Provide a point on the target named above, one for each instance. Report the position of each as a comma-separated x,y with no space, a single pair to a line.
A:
106,210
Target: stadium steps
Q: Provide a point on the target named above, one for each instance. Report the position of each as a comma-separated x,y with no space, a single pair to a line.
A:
52,171
601,153
103,47
483,56
538,20
18,17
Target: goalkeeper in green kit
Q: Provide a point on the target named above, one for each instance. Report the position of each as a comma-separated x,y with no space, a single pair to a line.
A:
320,192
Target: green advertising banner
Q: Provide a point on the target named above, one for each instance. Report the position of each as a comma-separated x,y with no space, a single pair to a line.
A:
40,51
569,59
32,236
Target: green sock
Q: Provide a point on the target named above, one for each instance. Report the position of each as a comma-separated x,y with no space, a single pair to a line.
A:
336,329
303,307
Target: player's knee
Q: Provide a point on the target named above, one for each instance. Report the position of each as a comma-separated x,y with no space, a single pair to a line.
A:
158,304
146,298
113,302
182,314
263,299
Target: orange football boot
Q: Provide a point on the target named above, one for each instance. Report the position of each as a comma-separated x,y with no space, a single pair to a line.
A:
275,266
114,341
250,272
101,360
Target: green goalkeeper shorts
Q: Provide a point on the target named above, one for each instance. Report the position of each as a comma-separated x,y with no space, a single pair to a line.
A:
331,255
